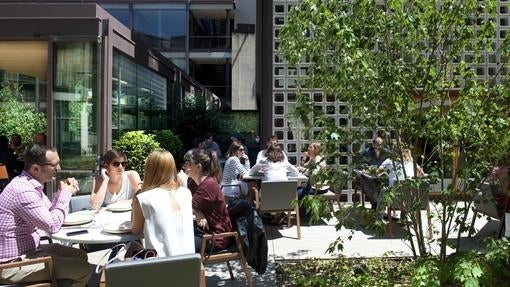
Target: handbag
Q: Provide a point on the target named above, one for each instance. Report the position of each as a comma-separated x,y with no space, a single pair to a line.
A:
130,251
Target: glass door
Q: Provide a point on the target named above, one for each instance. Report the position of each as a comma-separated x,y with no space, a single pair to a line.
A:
75,107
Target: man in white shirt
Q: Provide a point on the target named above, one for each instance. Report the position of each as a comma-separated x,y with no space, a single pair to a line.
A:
261,156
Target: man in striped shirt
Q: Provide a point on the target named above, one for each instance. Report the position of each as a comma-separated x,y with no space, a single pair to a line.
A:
25,209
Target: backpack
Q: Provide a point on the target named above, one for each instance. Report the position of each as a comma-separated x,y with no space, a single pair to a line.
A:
249,226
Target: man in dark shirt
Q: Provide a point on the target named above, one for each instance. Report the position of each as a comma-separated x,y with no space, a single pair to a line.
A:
372,157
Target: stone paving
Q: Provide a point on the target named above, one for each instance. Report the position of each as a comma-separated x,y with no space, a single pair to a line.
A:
315,239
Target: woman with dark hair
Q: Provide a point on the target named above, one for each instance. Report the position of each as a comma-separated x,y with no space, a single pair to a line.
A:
275,166
236,166
208,202
162,209
114,183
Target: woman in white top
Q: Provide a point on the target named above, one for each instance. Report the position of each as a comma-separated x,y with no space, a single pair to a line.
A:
275,167
162,209
114,183
236,166
399,170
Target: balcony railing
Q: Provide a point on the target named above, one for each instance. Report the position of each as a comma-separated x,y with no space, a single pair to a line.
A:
210,43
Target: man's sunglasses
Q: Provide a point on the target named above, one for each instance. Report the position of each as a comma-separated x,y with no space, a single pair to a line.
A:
117,163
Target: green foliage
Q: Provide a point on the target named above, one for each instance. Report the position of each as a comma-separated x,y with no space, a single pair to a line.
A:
171,142
426,272
137,145
19,117
459,269
195,119
344,272
401,68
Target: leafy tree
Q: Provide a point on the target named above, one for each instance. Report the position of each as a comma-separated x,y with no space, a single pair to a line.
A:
169,141
401,67
18,116
137,146
195,119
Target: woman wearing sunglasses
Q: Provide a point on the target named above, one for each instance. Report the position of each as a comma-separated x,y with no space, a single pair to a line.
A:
114,183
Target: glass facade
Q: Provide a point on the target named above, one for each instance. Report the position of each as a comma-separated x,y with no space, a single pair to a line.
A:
163,26
75,92
139,98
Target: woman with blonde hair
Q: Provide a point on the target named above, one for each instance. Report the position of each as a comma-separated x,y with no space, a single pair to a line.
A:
162,208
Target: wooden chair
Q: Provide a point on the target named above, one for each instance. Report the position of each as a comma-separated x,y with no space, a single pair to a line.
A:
48,262
4,177
235,252
277,196
491,202
405,199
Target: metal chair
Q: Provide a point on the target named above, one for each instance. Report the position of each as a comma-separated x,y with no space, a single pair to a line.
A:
179,270
79,202
52,281
235,252
277,196
406,198
491,202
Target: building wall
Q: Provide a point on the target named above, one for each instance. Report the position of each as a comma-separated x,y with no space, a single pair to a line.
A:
278,92
243,72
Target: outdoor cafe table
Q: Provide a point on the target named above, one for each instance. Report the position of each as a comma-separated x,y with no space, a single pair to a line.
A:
300,178
100,230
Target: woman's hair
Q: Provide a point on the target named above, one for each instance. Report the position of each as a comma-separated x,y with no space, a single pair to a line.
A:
316,146
406,155
208,161
234,147
274,153
160,171
110,155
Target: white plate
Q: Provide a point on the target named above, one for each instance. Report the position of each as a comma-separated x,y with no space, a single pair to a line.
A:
118,227
78,218
121,205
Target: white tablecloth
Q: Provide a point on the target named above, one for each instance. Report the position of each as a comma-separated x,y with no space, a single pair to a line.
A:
96,234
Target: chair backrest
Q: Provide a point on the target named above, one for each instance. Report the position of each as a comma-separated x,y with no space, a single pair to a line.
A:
4,177
180,270
79,202
3,172
486,202
278,195
48,263
407,196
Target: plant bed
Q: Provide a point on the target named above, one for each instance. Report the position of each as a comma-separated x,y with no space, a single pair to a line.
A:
344,272
461,269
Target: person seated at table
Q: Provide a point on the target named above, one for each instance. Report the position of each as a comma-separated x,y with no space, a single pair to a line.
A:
17,146
113,183
208,202
25,209
376,154
39,138
210,145
162,208
236,166
7,157
261,156
372,157
400,168
311,168
275,166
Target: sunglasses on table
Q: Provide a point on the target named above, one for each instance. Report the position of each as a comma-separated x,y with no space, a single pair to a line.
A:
117,163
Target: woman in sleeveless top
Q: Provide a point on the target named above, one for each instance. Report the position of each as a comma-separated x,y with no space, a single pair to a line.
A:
162,208
114,183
